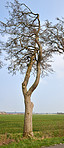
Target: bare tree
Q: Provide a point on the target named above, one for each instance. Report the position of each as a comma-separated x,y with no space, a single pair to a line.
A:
29,49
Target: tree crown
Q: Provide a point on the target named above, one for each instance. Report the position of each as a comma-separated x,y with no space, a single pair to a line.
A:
26,36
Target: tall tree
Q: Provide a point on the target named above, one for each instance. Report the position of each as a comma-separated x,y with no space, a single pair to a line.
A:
29,49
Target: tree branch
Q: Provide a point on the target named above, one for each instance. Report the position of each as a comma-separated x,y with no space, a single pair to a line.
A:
35,84
27,76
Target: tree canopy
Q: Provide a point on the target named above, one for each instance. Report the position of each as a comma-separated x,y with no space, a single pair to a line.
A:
26,35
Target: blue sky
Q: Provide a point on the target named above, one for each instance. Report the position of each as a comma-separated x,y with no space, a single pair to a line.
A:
49,95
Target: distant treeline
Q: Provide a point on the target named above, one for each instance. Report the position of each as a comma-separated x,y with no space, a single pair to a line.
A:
15,113
60,113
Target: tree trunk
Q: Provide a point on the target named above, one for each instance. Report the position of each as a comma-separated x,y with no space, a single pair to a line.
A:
27,94
28,104
28,117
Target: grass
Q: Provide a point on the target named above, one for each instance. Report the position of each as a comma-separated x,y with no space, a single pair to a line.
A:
31,143
48,130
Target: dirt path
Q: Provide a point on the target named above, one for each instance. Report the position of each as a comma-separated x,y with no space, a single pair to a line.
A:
56,146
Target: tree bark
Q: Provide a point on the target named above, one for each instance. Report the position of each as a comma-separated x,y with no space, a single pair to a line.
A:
28,131
28,104
27,94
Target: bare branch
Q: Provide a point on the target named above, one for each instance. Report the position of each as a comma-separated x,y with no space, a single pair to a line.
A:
27,36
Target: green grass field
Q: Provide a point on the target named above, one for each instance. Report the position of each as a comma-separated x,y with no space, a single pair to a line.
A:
48,130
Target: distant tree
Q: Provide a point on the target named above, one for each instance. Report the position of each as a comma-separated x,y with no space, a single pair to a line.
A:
29,49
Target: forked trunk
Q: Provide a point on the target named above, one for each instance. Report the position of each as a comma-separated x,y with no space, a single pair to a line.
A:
27,94
28,104
28,117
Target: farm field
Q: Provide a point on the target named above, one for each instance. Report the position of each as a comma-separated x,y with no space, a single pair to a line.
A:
48,130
